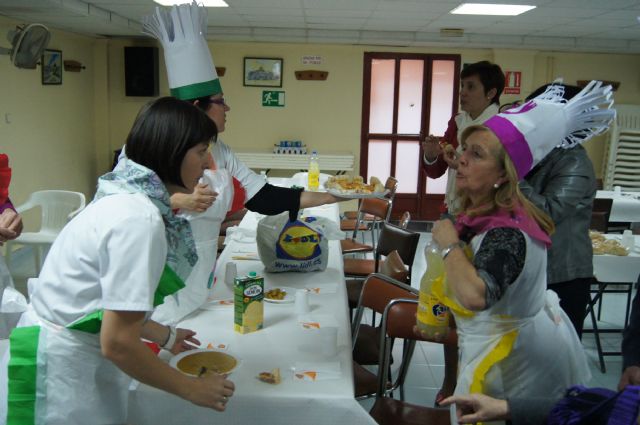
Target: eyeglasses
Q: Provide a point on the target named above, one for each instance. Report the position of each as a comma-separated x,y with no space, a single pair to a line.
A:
219,101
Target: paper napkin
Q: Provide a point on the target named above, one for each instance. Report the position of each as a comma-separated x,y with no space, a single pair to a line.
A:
316,371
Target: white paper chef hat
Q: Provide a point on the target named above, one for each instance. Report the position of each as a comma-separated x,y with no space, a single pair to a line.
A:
181,30
530,131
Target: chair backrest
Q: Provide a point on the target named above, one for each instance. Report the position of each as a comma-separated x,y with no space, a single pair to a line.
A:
600,214
58,207
398,320
376,207
394,238
404,220
394,267
378,290
392,186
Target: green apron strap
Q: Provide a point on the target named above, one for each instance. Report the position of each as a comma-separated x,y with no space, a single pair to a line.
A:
170,283
91,323
22,371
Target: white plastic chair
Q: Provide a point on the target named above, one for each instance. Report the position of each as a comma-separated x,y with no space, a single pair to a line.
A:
58,207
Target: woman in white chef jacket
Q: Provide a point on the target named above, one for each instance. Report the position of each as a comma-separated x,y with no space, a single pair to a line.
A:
207,206
79,344
192,77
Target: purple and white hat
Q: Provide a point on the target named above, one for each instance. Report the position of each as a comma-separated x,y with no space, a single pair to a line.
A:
530,131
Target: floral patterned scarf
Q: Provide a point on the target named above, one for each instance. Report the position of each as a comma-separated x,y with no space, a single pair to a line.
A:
131,177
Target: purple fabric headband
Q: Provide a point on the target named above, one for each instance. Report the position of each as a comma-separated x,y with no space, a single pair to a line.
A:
513,142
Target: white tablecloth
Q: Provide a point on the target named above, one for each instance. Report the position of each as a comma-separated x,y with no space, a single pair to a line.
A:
281,343
615,268
626,205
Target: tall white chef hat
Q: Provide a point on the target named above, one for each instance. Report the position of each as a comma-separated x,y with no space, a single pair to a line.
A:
181,30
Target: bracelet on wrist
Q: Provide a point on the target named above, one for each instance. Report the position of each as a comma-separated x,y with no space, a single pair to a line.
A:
171,338
426,160
451,247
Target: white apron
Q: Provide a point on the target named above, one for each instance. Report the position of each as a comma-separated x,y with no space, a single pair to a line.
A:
206,229
69,363
524,345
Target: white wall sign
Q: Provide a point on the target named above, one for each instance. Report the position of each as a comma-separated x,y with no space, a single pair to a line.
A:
312,60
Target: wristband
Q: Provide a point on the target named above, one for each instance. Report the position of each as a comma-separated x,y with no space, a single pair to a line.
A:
171,338
450,248
427,162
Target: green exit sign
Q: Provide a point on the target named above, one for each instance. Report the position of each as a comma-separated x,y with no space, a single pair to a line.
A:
272,98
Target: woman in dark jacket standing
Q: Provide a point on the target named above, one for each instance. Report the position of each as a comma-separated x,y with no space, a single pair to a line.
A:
563,185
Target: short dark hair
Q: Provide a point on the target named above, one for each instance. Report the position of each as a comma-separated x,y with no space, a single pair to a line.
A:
164,130
490,75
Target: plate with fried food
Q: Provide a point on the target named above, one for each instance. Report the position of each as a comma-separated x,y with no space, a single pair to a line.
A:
280,295
201,361
354,187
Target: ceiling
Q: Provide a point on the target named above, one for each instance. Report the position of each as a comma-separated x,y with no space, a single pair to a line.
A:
565,25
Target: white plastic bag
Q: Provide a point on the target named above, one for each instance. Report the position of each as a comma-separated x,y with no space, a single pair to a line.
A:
298,246
12,302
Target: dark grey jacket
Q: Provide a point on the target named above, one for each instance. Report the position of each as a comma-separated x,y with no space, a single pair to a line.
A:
563,185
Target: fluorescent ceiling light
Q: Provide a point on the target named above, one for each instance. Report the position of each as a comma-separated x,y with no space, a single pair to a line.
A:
491,9
205,3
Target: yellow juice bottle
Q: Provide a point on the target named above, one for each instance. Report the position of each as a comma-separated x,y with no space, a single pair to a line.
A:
433,315
314,172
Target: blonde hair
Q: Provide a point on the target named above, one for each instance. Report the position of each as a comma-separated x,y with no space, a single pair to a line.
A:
508,196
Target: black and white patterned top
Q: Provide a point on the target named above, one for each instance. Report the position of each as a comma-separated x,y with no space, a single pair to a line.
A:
499,261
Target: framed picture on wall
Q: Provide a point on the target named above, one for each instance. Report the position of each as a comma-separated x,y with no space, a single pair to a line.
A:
51,67
262,72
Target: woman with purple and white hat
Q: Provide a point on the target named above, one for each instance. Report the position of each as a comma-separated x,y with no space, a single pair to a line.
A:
514,338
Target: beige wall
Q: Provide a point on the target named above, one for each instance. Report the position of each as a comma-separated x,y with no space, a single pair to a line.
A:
63,136
48,131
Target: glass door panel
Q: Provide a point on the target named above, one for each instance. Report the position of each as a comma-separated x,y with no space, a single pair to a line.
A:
407,168
382,94
443,81
437,186
410,96
378,163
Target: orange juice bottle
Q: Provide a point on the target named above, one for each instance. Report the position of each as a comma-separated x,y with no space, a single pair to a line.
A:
433,315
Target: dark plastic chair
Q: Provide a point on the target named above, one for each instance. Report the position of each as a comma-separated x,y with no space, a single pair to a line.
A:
391,238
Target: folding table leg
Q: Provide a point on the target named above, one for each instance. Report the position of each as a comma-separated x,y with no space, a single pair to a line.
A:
596,335
626,314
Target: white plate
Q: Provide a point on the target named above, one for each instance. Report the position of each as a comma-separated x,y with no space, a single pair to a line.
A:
175,359
346,195
288,298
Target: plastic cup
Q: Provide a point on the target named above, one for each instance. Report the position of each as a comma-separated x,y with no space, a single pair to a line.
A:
617,189
302,302
628,241
230,273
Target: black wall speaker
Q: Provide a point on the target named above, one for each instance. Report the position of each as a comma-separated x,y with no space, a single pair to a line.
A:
141,71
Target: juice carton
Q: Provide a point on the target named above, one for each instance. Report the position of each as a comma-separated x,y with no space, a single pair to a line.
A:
248,295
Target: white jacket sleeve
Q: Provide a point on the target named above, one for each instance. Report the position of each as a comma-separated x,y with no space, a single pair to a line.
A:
225,158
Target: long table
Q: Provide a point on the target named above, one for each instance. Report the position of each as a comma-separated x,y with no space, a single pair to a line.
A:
625,207
612,270
282,343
